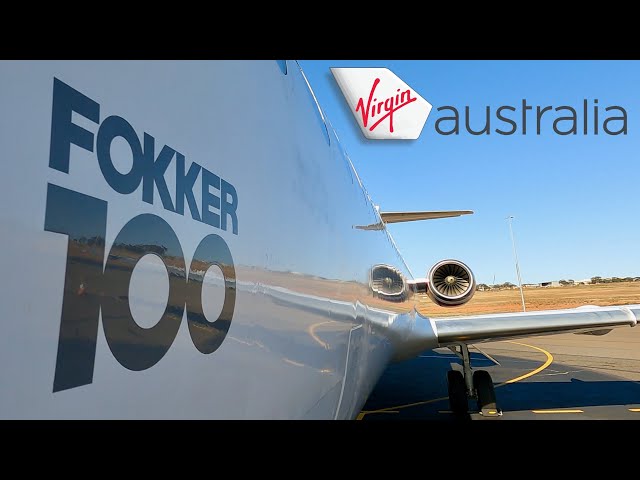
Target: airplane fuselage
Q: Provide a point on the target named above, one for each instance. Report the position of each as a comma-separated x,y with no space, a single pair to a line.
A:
185,240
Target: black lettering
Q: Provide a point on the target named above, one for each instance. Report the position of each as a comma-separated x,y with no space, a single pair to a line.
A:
455,118
88,289
525,107
111,128
208,336
153,171
135,347
514,126
540,112
573,118
209,199
229,207
623,118
487,122
184,186
84,220
67,100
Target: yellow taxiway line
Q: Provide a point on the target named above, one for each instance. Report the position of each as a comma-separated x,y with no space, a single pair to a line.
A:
312,332
548,362
537,370
634,409
558,411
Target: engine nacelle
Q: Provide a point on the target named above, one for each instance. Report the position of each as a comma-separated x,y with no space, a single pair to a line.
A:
450,283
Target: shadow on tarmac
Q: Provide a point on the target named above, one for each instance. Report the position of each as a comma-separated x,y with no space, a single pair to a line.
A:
423,379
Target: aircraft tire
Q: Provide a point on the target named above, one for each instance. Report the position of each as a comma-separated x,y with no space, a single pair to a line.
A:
457,392
485,392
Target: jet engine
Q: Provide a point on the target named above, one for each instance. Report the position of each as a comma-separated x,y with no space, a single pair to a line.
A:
450,283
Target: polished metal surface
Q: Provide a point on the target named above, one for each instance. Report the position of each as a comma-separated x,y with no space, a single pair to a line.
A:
258,303
483,328
190,240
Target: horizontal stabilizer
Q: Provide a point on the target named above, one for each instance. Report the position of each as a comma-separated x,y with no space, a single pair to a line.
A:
397,217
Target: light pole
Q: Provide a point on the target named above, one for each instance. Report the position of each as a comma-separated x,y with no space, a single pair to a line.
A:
515,256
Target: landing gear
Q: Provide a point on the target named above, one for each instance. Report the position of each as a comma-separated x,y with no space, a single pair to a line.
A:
485,393
457,392
467,384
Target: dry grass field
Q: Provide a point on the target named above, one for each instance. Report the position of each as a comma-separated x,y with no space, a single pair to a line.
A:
502,301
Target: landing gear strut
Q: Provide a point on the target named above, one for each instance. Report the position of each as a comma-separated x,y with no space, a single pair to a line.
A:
468,384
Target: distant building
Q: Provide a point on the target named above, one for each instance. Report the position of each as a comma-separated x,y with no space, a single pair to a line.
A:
554,283
530,285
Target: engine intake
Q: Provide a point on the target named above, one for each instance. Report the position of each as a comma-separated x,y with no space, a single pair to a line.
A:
387,283
450,283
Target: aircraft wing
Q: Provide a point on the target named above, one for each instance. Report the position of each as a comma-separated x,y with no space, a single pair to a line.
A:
397,217
483,328
413,334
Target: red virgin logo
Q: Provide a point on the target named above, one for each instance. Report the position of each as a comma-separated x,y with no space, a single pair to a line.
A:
375,96
388,106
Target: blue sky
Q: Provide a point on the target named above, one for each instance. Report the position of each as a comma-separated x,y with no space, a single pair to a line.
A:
575,198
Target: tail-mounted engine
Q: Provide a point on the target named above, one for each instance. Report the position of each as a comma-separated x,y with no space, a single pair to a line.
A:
450,283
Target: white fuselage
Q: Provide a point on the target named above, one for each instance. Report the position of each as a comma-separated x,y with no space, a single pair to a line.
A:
104,311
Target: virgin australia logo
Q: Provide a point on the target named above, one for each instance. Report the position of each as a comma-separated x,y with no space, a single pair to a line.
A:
384,106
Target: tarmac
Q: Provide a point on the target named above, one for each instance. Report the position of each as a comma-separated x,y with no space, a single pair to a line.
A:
553,377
